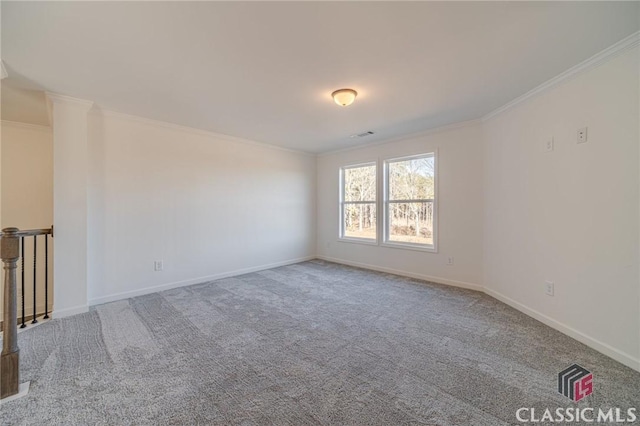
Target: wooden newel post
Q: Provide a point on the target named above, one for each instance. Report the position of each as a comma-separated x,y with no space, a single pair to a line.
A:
9,361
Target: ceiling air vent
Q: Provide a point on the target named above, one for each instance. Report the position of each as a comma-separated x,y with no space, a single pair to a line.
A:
362,135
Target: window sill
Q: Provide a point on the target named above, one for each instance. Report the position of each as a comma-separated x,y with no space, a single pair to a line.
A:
408,246
358,241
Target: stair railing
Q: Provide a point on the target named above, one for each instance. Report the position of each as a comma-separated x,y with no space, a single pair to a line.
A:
11,250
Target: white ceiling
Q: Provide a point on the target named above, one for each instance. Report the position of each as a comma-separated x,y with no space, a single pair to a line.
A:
265,71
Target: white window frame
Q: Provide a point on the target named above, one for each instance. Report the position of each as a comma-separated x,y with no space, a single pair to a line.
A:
433,248
341,204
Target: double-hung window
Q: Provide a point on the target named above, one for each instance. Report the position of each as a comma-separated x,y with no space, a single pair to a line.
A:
358,200
409,202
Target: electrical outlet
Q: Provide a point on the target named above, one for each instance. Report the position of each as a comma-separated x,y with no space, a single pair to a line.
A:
158,265
548,288
450,261
548,147
582,135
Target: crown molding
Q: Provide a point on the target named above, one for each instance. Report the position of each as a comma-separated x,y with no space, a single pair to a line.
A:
30,126
3,71
178,127
56,98
423,133
598,59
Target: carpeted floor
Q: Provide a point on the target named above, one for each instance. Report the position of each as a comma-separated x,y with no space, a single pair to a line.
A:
311,343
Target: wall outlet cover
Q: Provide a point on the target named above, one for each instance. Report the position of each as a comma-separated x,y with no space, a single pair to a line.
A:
548,288
548,146
582,135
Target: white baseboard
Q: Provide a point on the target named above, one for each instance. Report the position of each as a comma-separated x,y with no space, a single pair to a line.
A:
430,278
67,312
199,280
599,346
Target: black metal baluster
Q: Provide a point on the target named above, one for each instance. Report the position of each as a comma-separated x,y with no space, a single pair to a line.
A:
46,276
35,252
22,281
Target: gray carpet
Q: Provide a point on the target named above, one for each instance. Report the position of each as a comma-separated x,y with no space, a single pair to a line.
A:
311,343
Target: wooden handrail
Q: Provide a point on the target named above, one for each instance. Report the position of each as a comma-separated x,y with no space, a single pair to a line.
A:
31,232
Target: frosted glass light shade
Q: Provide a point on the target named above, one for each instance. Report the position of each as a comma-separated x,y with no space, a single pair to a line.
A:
344,97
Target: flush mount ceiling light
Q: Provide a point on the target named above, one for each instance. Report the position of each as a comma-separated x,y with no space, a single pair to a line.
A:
344,97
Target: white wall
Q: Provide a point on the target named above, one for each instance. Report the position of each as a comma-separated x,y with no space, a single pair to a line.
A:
459,182
570,216
70,203
206,205
26,172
